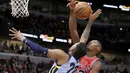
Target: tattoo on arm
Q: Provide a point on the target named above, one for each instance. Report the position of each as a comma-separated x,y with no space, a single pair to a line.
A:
86,33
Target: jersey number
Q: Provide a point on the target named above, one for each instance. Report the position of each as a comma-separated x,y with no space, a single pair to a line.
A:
73,67
81,71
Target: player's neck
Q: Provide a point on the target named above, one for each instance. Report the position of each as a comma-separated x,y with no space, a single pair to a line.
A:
91,54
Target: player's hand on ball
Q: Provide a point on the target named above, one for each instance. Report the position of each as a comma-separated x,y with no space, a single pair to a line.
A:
95,15
16,34
72,4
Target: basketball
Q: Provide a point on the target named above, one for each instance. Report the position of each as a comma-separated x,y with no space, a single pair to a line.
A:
82,10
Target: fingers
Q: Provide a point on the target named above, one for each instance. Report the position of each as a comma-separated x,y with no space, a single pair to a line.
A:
71,5
19,31
72,2
12,31
68,5
95,15
11,34
13,38
99,11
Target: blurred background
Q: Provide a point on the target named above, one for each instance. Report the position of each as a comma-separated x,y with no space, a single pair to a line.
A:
47,25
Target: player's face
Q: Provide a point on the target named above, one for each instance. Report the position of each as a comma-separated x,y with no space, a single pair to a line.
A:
94,45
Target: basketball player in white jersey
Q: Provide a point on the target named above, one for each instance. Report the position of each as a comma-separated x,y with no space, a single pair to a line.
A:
89,63
65,63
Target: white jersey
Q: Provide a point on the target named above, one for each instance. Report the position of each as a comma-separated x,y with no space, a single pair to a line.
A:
69,67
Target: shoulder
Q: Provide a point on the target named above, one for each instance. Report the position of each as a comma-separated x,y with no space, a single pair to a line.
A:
59,55
97,65
58,52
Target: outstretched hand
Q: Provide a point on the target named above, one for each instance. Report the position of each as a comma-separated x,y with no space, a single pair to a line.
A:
16,34
72,4
95,15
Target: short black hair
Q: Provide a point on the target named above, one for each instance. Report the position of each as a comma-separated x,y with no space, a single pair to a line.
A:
80,50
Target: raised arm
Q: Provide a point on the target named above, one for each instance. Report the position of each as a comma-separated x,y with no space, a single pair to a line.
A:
73,23
86,32
51,53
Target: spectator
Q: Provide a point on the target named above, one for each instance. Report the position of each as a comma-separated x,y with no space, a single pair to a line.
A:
5,46
12,47
125,70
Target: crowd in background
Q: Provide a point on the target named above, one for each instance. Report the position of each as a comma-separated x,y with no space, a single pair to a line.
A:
15,65
114,70
18,49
